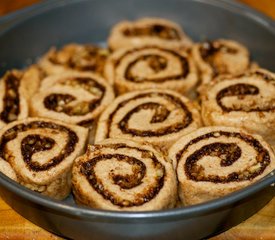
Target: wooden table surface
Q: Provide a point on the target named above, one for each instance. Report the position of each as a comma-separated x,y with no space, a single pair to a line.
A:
260,226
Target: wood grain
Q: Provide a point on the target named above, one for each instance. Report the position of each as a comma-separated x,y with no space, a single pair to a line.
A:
14,227
260,226
265,6
7,6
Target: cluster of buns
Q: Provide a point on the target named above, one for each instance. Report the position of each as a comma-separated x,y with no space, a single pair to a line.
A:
153,119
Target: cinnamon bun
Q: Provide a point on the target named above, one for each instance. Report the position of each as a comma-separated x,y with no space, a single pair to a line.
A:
41,153
148,31
151,67
123,175
246,101
159,117
75,57
220,57
214,161
72,97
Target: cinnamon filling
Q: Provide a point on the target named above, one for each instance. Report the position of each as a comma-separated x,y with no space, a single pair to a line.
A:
229,153
81,58
156,63
34,143
160,115
156,30
241,90
210,53
126,181
11,100
64,102
264,76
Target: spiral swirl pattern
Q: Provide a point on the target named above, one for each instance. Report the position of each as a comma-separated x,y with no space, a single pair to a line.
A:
151,67
245,101
156,116
73,97
121,175
41,152
222,159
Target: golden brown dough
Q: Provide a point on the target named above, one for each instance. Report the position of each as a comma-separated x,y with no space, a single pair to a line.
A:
31,80
6,169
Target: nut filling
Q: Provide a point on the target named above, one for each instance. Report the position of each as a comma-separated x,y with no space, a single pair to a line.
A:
160,115
210,52
241,90
84,58
69,105
11,100
156,30
126,181
228,153
156,63
35,143
264,76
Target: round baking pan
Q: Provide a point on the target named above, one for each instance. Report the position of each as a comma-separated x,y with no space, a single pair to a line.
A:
27,34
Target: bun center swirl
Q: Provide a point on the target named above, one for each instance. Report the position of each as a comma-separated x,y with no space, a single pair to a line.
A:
33,143
69,104
228,153
125,182
156,64
161,113
241,91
